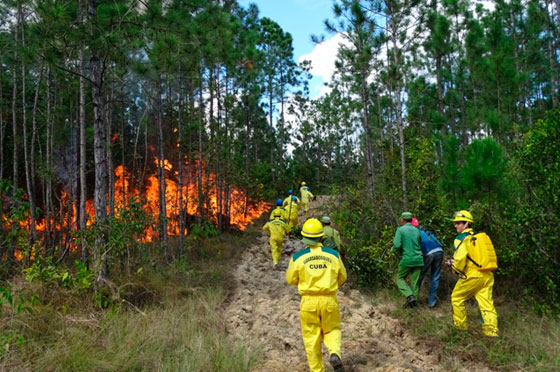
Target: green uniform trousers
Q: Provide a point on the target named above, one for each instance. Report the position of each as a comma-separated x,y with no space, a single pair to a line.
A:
412,289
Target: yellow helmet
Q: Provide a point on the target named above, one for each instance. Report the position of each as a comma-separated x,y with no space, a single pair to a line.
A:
312,228
303,183
463,216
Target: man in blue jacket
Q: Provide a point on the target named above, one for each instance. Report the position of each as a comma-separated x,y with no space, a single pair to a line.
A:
432,250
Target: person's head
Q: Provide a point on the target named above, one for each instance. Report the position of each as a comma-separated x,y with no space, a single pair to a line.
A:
294,198
415,222
462,220
325,220
290,192
279,202
307,188
406,217
312,231
303,183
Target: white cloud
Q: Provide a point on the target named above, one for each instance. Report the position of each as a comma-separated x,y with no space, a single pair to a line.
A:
323,57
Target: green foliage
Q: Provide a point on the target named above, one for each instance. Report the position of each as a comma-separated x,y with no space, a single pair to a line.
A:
49,273
368,252
18,301
203,231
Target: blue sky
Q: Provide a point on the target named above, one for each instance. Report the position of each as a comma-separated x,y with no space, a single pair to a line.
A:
303,18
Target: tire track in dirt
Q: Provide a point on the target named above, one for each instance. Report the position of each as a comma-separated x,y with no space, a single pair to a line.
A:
264,308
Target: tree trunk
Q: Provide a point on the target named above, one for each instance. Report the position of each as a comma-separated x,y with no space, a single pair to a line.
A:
367,134
49,167
13,242
180,167
32,200
400,119
200,128
109,136
161,175
82,124
100,156
2,128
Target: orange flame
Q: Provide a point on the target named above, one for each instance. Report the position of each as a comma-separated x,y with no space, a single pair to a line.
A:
241,210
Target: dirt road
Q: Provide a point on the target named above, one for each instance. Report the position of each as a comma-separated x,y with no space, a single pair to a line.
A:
264,307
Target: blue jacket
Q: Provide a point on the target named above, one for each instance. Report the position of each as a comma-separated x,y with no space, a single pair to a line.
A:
429,242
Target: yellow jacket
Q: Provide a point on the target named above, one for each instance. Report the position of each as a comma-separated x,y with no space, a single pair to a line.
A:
316,270
279,213
276,228
461,264
287,201
306,195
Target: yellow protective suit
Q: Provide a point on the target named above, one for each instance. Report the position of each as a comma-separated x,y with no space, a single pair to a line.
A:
276,227
306,197
286,203
318,272
292,209
472,283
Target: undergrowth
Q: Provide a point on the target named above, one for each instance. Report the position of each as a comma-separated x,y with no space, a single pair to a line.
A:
160,317
527,342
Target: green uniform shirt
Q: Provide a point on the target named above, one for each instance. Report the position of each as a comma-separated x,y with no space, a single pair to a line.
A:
334,235
407,240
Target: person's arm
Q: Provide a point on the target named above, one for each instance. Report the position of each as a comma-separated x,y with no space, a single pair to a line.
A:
337,240
341,273
460,256
266,228
397,244
292,274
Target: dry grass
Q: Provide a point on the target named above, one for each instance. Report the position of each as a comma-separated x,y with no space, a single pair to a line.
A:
527,342
169,319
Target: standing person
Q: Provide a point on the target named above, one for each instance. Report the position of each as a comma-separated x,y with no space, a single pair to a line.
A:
473,282
332,236
306,197
293,208
287,201
318,272
432,250
407,241
276,227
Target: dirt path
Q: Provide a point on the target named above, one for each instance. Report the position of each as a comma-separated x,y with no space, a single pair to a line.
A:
264,307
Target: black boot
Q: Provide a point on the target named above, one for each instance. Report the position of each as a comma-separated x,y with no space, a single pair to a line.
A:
410,302
336,363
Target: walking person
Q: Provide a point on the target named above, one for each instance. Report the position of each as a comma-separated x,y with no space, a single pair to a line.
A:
475,280
432,250
318,272
332,236
276,227
407,242
306,197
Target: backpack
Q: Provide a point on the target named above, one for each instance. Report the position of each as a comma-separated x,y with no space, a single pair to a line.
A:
329,242
481,252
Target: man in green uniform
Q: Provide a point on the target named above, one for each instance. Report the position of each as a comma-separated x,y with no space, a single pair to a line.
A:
407,241
331,239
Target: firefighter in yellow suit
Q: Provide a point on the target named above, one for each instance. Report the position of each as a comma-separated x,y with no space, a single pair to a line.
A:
277,226
292,208
472,282
318,272
306,197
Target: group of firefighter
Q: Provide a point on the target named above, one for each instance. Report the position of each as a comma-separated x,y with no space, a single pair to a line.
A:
318,271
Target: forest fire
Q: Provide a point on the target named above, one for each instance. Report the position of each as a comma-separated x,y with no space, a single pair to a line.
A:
225,204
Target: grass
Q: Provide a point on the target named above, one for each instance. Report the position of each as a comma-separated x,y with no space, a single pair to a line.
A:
527,342
169,319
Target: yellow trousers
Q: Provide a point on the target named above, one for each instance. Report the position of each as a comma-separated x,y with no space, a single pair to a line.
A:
276,242
305,207
294,222
481,289
320,321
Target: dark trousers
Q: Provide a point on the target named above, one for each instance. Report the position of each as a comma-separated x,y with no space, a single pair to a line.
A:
432,262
